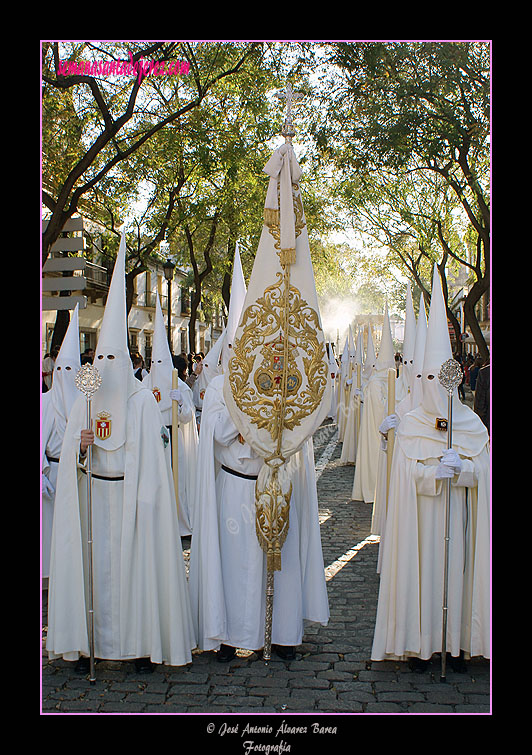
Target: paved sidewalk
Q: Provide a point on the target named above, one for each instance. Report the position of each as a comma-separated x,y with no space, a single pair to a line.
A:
332,673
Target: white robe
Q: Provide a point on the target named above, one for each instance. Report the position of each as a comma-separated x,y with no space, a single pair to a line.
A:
51,442
368,446
187,450
352,428
409,611
227,564
141,602
378,518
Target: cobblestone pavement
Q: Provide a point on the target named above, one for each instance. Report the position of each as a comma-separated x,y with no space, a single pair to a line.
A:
333,673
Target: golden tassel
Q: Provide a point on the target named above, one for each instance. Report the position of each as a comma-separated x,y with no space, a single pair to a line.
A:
287,256
271,217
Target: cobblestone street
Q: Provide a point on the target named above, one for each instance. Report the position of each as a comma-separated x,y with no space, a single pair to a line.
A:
332,673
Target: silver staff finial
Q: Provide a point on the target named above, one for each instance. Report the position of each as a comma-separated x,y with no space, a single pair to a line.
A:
88,380
450,375
290,96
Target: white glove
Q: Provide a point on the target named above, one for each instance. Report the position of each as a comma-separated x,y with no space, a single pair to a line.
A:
451,459
47,487
392,420
176,395
349,381
358,391
443,472
450,464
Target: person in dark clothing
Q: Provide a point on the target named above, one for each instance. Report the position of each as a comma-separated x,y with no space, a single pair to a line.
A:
461,389
482,395
473,372
138,366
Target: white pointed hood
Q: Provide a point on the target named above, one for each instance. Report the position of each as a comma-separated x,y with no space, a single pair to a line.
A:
351,344
359,352
419,436
409,340
238,295
212,366
333,367
370,361
386,358
159,379
344,361
113,362
64,392
416,381
437,351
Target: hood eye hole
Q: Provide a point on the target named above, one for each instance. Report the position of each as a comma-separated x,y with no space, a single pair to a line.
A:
110,356
418,376
430,377
68,368
100,356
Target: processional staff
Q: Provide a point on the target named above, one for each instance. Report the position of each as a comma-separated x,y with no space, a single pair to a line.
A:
175,439
288,132
391,431
450,377
88,380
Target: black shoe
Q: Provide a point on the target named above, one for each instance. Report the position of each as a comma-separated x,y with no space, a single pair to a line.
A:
225,653
457,663
143,666
286,652
83,665
418,665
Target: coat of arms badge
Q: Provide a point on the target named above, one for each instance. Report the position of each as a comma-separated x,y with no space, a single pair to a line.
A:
103,425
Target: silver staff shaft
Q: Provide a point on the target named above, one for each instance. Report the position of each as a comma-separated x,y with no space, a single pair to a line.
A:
88,380
446,547
450,377
92,675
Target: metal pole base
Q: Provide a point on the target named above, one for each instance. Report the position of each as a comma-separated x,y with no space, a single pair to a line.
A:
267,651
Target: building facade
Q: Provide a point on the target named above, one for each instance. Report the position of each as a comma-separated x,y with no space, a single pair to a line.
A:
92,293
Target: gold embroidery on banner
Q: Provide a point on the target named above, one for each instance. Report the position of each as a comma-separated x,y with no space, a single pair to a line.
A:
278,374
252,373
272,520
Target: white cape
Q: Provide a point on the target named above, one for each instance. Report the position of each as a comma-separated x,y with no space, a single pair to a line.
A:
141,599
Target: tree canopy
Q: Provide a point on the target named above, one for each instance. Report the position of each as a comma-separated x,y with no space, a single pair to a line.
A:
393,139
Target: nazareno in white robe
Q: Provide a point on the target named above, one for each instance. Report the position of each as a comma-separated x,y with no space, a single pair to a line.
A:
378,517
368,445
409,611
187,449
141,601
227,565
352,427
51,441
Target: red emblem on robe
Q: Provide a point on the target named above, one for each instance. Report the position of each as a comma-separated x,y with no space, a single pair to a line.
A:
103,426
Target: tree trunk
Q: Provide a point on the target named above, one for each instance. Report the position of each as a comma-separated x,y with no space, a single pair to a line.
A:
471,319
